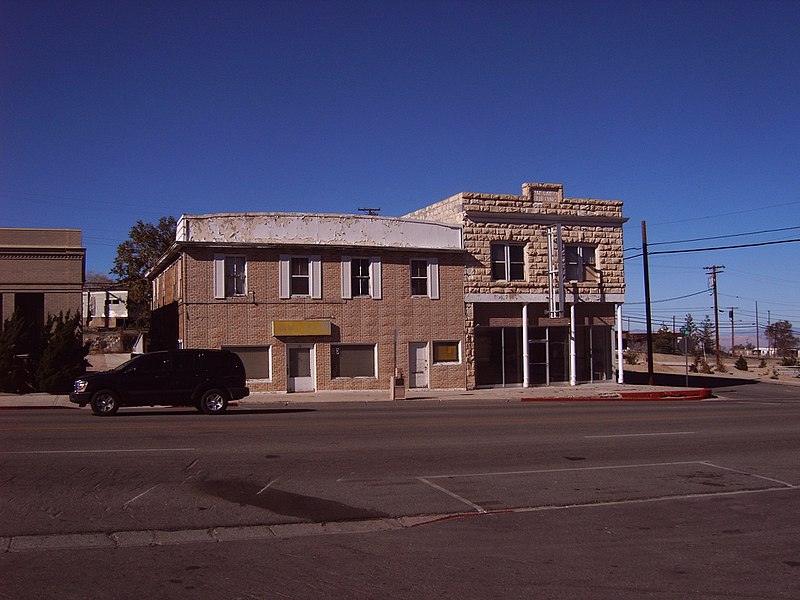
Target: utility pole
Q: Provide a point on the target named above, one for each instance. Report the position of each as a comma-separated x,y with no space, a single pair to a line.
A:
713,271
758,345
730,316
646,268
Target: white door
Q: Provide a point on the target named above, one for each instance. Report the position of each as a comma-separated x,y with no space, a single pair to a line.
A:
300,368
417,364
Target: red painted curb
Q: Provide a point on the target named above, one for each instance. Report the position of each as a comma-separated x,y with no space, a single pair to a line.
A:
674,395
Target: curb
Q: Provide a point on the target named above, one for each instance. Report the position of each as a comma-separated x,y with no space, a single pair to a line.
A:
671,395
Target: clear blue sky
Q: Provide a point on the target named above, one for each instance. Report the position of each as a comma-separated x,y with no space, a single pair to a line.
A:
689,112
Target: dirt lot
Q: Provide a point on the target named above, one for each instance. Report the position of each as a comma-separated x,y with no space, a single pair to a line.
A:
674,364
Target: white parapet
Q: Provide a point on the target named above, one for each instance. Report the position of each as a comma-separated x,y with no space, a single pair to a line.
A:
318,229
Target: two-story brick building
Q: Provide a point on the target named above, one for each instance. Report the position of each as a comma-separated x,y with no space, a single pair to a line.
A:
477,290
317,301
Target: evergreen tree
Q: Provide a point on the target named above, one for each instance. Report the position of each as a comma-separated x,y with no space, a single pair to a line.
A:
663,341
14,375
781,337
63,358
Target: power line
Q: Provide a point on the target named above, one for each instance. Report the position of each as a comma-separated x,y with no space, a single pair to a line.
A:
737,246
717,237
739,212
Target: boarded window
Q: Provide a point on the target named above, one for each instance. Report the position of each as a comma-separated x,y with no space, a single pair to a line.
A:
446,352
256,360
356,360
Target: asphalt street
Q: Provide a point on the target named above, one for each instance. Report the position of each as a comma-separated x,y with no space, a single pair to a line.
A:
459,499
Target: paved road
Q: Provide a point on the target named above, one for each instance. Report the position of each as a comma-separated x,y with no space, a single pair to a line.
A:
466,499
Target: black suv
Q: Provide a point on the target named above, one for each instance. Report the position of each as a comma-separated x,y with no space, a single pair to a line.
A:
205,379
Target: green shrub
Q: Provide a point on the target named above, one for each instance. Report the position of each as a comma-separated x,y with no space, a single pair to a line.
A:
63,358
741,363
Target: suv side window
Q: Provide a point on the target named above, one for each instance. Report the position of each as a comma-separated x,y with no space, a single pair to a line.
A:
183,361
155,363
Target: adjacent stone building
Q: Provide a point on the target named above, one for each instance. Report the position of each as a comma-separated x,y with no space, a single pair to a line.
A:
544,285
477,290
41,273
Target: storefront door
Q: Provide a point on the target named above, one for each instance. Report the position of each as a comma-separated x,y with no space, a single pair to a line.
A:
300,368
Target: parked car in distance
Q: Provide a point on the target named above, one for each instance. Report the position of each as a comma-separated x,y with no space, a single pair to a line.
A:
205,379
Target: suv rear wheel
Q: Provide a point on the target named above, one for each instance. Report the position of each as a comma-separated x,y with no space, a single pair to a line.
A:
213,402
104,403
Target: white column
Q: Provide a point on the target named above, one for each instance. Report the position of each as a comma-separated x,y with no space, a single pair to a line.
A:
526,367
573,353
620,373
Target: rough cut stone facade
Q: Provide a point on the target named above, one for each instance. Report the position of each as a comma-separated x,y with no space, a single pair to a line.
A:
525,220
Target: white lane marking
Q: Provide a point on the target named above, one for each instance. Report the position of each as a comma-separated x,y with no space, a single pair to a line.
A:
266,486
452,495
563,470
622,435
100,451
135,498
710,464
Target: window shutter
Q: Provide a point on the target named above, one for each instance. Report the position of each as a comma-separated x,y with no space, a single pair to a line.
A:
375,280
316,276
283,268
433,278
347,291
219,276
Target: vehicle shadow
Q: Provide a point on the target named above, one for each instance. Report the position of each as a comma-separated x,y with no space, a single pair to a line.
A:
134,411
679,381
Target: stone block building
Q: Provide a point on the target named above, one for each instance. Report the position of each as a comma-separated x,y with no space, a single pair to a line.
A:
543,287
477,290
41,273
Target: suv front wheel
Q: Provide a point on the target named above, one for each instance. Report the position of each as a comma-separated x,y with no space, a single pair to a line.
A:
213,402
104,403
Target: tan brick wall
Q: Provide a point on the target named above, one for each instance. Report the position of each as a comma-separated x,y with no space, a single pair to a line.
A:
212,323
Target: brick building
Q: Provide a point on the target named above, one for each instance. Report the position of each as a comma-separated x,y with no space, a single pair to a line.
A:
41,273
477,290
543,287
317,302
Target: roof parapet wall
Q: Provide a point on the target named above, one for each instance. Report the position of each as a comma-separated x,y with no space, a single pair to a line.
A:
317,229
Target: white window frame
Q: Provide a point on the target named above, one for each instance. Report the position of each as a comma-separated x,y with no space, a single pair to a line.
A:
506,262
577,268
431,275
314,274
375,278
221,262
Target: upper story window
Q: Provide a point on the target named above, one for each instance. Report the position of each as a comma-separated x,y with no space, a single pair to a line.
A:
361,277
230,275
581,263
300,276
508,262
425,277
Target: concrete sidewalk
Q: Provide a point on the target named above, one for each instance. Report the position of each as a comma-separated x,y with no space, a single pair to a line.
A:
604,391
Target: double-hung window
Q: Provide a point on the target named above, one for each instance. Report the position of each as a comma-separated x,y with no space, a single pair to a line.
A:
581,263
425,277
230,276
361,277
508,262
300,276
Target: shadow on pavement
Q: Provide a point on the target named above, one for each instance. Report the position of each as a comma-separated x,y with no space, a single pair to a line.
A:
135,411
679,381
